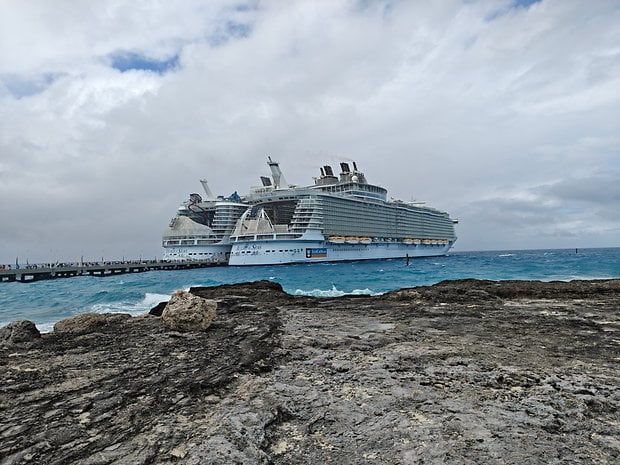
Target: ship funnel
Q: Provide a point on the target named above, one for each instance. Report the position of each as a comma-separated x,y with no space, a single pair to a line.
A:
266,181
276,174
345,168
205,186
322,171
328,170
354,166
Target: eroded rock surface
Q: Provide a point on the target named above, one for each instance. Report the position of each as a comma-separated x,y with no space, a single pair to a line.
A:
18,332
460,372
88,322
188,312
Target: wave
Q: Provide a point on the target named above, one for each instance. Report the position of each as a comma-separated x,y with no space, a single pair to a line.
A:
133,308
506,255
334,292
45,327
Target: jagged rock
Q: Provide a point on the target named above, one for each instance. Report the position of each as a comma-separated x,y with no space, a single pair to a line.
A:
19,331
460,372
158,309
187,312
88,322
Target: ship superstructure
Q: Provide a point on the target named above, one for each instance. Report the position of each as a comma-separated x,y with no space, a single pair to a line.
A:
202,227
338,218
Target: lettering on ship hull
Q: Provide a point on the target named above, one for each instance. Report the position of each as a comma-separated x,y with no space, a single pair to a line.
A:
316,253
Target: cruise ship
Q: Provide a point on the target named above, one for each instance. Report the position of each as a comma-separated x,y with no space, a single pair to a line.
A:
337,218
201,228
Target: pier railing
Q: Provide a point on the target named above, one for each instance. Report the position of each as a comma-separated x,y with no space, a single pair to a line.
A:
31,273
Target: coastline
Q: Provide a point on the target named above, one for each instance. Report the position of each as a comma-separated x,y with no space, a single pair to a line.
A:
48,301
463,371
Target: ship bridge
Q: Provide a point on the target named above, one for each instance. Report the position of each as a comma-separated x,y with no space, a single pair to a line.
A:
351,182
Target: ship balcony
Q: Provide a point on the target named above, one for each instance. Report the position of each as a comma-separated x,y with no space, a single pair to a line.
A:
265,237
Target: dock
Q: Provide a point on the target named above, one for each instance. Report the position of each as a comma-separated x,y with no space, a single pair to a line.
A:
32,273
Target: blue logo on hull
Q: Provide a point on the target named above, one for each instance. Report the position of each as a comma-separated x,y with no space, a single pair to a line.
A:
316,253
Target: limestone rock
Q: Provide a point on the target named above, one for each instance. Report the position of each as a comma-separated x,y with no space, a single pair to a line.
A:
187,312
459,372
19,331
88,322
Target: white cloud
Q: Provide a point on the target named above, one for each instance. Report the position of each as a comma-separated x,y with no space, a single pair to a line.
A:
491,112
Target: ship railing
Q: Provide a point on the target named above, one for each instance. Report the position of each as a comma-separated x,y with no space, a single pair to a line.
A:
264,237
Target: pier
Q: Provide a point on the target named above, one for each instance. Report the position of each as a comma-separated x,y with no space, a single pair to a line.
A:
33,273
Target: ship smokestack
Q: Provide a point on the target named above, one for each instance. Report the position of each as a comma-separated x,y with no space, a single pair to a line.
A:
205,186
276,174
322,172
354,166
328,170
345,168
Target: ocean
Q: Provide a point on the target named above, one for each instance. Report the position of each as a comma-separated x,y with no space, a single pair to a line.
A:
46,302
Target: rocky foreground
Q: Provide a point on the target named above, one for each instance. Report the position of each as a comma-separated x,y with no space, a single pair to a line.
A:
464,372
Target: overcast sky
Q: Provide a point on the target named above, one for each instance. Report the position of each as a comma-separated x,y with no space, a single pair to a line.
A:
504,113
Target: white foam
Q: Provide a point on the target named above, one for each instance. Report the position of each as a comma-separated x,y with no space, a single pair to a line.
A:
133,308
187,288
45,327
334,292
506,255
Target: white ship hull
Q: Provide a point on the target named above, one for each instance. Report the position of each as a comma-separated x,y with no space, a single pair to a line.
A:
212,252
281,252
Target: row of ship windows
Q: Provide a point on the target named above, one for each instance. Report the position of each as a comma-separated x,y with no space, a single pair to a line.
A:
343,228
366,206
192,253
381,213
274,250
191,242
286,250
381,219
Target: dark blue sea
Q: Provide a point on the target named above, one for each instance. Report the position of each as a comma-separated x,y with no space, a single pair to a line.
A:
46,302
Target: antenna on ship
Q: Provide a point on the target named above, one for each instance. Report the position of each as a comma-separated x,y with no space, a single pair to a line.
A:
276,174
205,186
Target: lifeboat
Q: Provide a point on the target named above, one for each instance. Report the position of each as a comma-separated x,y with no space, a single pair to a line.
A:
408,241
365,240
336,239
352,240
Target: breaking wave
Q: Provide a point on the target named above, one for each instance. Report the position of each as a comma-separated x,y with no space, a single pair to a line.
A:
334,292
133,308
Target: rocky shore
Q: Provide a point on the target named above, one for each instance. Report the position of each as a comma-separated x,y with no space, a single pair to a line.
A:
463,372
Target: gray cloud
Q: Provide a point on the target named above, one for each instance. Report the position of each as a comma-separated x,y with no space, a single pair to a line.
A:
504,115
603,190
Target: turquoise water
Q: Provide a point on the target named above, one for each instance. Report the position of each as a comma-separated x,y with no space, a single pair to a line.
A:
46,302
